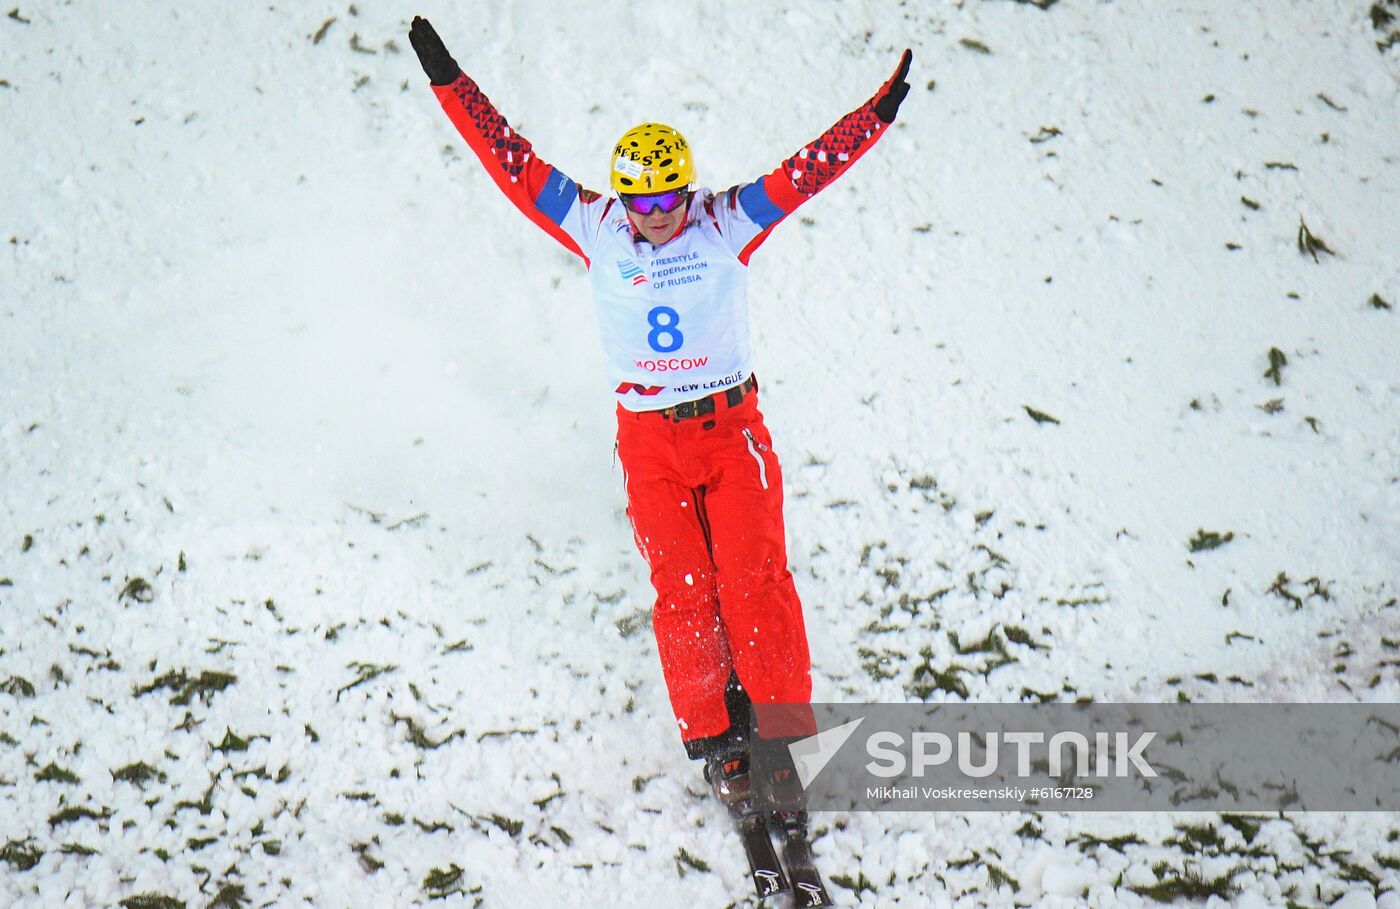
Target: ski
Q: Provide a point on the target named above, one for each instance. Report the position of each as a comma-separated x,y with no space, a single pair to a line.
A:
808,889
764,868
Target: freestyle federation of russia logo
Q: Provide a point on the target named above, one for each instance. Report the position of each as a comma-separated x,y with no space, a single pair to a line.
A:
631,272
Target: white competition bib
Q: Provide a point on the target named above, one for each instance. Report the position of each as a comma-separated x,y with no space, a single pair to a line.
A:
674,319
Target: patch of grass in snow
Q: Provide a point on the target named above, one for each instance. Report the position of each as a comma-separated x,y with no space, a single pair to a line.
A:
77,813
205,805
1018,635
418,736
364,672
444,882
1196,839
501,733
972,859
1382,17
230,896
1283,589
152,900
204,686
509,825
369,863
21,855
914,605
231,742
1205,540
433,826
138,773
927,486
870,548
1353,872
1277,360
137,590
685,860
1084,597
56,774
882,664
1087,842
858,884
77,849
17,686
1189,884
629,625
994,644
999,878
929,678
1311,244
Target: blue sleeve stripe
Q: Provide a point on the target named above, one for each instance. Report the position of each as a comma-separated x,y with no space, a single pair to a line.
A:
556,196
758,206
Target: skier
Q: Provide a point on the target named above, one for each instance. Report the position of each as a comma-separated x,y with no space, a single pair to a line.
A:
668,264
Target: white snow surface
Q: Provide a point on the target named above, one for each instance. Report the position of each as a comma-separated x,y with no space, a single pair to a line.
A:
289,393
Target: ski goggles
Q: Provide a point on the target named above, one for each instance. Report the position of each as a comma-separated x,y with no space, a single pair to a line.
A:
668,201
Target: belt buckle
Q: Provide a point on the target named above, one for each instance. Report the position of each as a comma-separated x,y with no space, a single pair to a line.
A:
734,395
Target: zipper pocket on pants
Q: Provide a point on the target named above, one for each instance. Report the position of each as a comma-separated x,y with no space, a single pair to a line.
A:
753,450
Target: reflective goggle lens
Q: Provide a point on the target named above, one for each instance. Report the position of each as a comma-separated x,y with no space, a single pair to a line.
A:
644,205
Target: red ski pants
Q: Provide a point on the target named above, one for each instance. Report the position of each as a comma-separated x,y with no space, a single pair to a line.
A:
705,496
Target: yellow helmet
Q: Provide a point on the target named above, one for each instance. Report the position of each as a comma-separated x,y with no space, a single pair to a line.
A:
651,158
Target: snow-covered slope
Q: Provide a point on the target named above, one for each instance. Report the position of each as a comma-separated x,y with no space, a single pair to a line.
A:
315,585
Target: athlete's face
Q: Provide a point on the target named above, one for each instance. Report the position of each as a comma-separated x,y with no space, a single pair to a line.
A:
658,226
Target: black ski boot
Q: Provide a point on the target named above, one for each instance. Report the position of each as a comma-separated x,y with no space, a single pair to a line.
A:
728,776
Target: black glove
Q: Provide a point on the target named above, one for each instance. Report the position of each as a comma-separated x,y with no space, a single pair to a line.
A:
892,92
432,53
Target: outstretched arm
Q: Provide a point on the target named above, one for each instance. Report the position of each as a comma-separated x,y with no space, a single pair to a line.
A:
542,192
813,167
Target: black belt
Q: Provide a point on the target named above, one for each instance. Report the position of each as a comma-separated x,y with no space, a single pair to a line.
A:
688,410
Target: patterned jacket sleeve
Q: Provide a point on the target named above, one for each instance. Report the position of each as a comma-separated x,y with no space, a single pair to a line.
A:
542,192
748,213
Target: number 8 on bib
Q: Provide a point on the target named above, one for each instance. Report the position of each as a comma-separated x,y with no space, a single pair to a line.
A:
664,337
